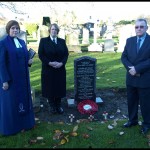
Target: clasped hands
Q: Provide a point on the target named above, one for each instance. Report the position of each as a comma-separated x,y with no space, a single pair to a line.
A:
55,64
132,70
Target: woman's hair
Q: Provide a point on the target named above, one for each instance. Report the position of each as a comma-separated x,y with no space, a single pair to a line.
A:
10,24
56,26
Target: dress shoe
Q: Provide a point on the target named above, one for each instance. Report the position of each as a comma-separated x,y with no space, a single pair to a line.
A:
60,110
129,124
145,130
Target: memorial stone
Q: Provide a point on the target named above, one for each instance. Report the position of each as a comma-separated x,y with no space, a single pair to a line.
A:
109,45
85,78
85,36
22,35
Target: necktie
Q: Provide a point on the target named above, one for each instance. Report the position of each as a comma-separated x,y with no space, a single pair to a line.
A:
54,40
138,45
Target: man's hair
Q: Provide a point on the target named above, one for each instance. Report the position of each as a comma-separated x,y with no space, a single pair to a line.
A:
56,26
141,19
10,24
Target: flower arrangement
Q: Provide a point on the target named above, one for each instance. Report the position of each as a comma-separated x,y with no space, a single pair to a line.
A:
87,107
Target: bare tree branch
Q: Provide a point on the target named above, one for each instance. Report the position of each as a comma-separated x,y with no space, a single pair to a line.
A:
12,7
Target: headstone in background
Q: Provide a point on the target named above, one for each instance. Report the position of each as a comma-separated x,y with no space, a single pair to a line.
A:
73,38
62,34
46,21
42,32
124,33
109,45
85,36
85,78
22,35
2,32
72,41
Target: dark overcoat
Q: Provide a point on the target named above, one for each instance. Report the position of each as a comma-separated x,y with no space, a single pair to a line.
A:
140,60
53,81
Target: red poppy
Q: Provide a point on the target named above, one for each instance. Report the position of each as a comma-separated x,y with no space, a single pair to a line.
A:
87,107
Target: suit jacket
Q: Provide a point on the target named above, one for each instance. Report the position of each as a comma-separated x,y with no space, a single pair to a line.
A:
140,60
53,81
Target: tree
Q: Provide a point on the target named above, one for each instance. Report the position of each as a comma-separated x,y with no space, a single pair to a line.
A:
12,7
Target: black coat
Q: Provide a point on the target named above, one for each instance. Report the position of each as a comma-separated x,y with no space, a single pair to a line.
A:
140,60
53,81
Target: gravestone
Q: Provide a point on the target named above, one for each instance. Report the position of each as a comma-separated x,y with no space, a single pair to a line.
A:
62,34
109,45
42,32
46,21
22,35
73,39
85,36
85,78
124,33
2,32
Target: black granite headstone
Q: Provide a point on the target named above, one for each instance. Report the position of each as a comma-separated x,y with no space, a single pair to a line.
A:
85,78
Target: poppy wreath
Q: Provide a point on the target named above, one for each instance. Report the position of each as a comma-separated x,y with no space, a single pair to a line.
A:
93,107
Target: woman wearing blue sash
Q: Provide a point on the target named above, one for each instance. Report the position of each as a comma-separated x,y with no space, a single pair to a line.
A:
16,109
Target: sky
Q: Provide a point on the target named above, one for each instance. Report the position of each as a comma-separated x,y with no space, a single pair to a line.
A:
97,10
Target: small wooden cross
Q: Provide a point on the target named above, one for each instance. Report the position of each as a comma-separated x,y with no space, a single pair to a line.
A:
91,117
71,116
105,114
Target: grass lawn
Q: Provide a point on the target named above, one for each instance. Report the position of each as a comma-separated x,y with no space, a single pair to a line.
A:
111,74
109,70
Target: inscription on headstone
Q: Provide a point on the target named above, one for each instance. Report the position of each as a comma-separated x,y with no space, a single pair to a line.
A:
85,78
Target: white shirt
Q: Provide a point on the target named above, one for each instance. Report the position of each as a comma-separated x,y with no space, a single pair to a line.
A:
18,45
54,39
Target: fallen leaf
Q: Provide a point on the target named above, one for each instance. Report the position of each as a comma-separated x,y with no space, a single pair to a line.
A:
63,141
73,133
58,135
85,135
66,138
57,131
64,131
89,128
110,127
32,141
39,138
75,128
115,123
121,133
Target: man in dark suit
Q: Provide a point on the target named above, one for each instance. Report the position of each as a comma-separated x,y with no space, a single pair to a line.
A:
136,60
53,53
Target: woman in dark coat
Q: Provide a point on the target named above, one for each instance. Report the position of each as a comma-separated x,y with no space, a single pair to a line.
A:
16,111
53,53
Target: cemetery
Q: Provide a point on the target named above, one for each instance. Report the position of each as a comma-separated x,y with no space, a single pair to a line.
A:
96,93
84,82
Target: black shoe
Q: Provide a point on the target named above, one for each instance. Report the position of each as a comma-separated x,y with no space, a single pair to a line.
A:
60,110
144,130
53,110
129,124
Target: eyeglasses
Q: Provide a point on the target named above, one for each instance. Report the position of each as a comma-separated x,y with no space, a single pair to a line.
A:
141,27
